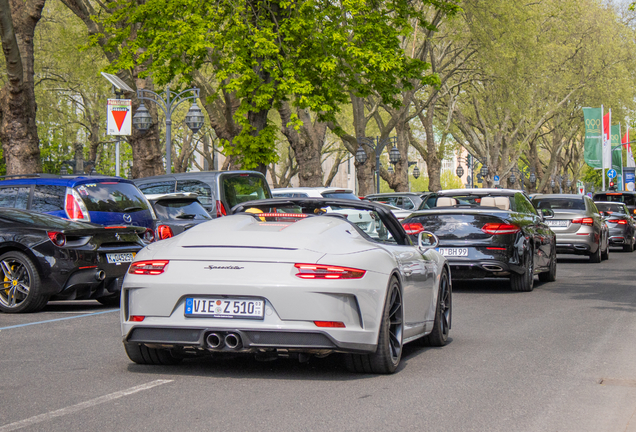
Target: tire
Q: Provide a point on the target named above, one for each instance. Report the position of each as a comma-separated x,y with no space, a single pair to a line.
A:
112,300
386,358
141,354
596,256
605,255
443,314
21,284
629,247
524,282
550,275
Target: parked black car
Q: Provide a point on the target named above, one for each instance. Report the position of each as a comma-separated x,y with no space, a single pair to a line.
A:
488,233
218,191
177,212
45,257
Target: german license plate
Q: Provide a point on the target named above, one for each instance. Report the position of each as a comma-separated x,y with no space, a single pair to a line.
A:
453,252
557,223
224,308
118,258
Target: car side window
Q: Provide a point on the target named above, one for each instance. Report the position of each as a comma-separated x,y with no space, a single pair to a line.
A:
202,189
16,197
522,205
48,198
158,187
408,204
591,206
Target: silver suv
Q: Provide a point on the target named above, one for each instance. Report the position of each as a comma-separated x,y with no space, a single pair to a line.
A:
577,223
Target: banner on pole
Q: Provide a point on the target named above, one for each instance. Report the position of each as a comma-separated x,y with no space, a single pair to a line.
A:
119,117
607,140
617,148
592,146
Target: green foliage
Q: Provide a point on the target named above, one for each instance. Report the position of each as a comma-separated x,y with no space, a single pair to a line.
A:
314,53
593,177
449,180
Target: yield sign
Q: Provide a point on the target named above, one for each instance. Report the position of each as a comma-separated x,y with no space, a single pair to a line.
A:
119,117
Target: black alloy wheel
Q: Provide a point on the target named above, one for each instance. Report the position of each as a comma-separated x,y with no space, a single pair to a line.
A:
20,291
525,281
386,358
629,247
443,313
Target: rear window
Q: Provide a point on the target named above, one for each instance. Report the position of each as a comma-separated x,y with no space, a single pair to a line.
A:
157,187
628,199
181,210
559,203
112,197
242,188
614,208
203,190
340,195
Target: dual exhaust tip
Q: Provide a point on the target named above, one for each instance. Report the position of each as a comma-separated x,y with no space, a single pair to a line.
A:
217,341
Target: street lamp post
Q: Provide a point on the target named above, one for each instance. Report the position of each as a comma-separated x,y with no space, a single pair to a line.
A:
378,147
523,174
471,164
416,172
168,101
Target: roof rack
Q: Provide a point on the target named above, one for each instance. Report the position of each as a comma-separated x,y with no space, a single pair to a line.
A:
40,175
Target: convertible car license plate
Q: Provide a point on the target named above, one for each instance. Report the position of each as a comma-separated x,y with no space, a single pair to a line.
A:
224,308
118,258
454,252
557,223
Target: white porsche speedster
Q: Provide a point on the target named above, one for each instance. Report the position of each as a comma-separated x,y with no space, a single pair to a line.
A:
285,277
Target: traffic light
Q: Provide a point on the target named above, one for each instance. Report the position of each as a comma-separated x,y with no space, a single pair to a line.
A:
612,186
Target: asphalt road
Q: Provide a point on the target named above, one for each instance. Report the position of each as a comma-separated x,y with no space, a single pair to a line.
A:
560,358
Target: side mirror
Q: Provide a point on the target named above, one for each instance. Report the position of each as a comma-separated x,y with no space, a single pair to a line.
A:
547,212
426,240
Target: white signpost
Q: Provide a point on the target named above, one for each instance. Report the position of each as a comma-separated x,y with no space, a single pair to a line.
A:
119,115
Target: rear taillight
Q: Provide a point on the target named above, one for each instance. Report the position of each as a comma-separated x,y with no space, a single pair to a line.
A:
137,318
220,209
584,221
618,221
164,232
500,228
74,206
149,236
152,267
332,324
318,271
413,228
58,238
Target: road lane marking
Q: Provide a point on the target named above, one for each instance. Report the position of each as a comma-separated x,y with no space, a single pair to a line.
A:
58,319
80,406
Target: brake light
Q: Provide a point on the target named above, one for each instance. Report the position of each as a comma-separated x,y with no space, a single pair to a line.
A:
220,209
500,228
284,215
334,324
58,238
318,271
584,221
164,232
137,318
413,228
152,267
618,221
74,207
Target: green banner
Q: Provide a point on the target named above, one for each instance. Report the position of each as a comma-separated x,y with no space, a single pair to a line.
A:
617,149
593,144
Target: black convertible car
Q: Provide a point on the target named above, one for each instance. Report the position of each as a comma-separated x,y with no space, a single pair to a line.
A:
488,233
44,257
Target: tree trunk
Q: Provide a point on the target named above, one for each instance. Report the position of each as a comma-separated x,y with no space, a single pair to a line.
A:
307,144
18,129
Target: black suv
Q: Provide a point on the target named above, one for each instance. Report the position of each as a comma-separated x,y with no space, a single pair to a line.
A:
626,197
218,191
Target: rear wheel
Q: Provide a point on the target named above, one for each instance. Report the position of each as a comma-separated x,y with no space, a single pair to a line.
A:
629,247
525,281
141,354
21,286
605,255
443,312
386,358
596,256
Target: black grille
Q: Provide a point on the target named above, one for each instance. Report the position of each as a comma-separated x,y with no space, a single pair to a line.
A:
165,335
289,339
